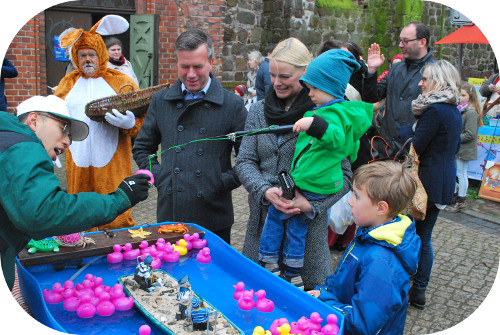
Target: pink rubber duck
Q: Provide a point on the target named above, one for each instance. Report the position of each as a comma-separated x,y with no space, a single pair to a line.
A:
71,304
263,304
116,292
123,303
69,284
197,242
130,253
52,297
151,181
246,302
144,330
144,247
170,255
204,256
86,310
239,287
160,247
315,321
116,256
277,323
331,328
105,307
300,327
156,263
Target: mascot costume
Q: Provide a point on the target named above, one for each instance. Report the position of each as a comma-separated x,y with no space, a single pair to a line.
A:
104,158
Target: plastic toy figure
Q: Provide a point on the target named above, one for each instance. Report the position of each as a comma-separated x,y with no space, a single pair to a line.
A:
198,315
184,296
144,275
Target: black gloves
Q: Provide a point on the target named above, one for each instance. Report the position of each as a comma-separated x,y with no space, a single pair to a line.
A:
136,188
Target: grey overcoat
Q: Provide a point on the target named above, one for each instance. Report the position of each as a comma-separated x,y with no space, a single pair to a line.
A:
194,181
258,163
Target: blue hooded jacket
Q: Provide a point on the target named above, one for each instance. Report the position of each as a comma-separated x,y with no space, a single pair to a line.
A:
370,285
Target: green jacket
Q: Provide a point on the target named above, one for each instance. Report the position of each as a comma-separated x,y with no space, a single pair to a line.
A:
32,204
316,162
468,136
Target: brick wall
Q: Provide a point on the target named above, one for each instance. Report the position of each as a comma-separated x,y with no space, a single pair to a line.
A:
27,53
176,17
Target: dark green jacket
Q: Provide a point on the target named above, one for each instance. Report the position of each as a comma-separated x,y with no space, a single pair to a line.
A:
32,204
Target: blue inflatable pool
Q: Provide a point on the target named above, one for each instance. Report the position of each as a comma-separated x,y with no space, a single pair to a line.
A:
214,281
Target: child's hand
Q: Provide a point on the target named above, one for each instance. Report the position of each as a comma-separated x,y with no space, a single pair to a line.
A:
314,293
303,124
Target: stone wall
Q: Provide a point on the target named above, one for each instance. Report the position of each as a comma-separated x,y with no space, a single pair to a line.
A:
254,24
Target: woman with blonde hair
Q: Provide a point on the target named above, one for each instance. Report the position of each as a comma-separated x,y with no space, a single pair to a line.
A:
436,139
471,120
262,157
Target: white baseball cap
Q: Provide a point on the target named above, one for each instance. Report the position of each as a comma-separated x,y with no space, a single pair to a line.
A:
57,107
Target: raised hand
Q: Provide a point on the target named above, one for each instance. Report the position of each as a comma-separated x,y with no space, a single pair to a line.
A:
375,58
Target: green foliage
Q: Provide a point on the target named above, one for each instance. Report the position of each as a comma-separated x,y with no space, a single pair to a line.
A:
472,194
342,4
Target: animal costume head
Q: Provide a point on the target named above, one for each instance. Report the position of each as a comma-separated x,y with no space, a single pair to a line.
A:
76,39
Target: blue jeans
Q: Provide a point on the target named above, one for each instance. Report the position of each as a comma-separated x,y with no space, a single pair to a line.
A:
294,241
424,231
463,182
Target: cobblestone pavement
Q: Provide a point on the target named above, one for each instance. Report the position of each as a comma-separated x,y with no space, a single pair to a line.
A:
466,249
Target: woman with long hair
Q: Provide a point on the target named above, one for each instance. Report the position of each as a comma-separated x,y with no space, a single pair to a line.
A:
436,139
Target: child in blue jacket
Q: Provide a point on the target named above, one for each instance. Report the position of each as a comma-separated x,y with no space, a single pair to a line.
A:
370,285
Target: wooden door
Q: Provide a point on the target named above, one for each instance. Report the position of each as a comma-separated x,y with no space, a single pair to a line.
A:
144,48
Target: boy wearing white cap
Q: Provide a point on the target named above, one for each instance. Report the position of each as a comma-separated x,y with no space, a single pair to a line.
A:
32,204
328,134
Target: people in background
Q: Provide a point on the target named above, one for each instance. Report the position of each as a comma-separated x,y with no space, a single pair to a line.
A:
263,80
471,120
117,60
400,86
490,89
436,139
396,59
8,71
255,59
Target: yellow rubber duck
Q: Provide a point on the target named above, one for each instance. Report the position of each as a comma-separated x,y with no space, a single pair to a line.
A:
181,248
260,331
284,329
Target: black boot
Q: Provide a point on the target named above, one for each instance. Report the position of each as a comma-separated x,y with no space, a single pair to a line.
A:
417,297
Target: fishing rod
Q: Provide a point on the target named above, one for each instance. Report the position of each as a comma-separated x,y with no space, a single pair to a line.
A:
274,129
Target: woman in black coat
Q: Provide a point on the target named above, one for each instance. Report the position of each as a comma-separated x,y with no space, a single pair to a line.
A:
436,139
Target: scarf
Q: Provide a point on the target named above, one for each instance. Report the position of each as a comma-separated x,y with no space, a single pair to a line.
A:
274,108
420,104
118,62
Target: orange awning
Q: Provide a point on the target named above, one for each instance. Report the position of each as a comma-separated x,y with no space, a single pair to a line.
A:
465,34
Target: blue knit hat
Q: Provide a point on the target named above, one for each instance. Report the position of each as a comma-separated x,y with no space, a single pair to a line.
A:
330,72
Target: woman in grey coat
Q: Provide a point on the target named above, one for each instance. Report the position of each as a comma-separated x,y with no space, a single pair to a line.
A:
262,157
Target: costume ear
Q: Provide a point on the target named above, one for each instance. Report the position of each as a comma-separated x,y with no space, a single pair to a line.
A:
110,25
69,37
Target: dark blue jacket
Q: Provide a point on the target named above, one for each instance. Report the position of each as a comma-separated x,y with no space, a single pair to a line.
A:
370,285
436,141
8,71
263,80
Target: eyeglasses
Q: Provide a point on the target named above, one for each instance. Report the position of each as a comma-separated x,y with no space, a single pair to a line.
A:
405,42
84,55
67,126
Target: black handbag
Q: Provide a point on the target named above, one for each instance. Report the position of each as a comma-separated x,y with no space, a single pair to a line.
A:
392,150
287,185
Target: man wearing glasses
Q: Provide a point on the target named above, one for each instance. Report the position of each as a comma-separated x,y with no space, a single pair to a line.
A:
400,85
32,203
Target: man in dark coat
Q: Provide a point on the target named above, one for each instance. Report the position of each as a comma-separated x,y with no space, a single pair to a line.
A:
400,85
194,181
